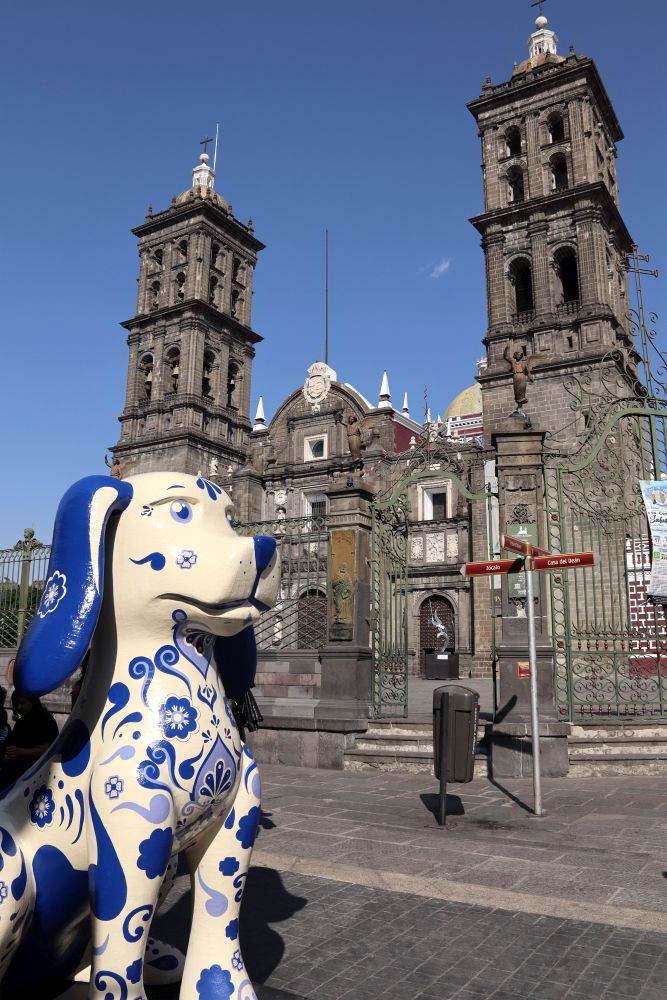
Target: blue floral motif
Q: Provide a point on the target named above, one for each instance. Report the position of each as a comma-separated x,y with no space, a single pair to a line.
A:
229,866
54,591
113,786
186,559
237,961
146,510
42,807
248,827
212,489
214,983
133,972
3,892
232,930
178,718
154,853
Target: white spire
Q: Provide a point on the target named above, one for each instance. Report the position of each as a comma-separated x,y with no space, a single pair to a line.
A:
203,176
385,395
542,40
406,407
260,422
428,414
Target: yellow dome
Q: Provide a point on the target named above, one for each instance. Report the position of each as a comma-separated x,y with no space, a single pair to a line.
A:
190,194
467,402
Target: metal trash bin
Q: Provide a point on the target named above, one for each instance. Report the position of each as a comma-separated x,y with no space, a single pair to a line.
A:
455,719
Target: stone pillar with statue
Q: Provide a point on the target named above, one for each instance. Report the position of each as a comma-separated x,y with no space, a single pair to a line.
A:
521,505
346,658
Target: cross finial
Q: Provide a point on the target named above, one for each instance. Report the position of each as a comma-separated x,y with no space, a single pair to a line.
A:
538,3
205,141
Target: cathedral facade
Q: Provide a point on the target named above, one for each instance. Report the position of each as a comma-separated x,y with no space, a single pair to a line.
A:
555,247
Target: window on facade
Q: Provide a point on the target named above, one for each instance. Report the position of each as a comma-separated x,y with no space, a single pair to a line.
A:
556,128
435,504
215,255
235,302
522,279
233,379
155,296
207,374
568,273
513,141
147,372
157,256
182,248
236,269
213,291
314,504
180,286
174,368
314,448
559,181
515,188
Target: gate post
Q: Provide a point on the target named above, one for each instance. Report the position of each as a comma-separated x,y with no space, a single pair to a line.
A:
346,658
520,457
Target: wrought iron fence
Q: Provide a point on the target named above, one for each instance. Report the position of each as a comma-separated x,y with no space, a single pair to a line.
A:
299,618
22,575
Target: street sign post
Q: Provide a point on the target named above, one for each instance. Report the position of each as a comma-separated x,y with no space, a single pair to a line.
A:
490,567
531,558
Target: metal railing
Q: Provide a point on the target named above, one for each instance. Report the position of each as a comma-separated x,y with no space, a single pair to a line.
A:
22,575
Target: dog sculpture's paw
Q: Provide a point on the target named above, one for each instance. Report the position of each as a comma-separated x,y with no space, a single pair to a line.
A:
163,965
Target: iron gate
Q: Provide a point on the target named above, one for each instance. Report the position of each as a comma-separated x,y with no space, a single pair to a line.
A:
433,459
609,638
22,575
299,618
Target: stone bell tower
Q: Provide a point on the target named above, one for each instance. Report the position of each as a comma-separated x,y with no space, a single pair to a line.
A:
553,237
191,343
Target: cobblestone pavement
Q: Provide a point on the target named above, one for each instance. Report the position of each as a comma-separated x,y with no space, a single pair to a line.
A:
354,891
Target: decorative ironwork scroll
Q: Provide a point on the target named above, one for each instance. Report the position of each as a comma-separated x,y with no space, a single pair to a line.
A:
22,575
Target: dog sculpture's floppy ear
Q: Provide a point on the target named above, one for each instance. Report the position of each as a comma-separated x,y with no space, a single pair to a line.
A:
236,658
63,626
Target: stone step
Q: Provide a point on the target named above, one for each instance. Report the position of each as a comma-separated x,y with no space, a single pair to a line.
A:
411,761
622,731
621,746
611,765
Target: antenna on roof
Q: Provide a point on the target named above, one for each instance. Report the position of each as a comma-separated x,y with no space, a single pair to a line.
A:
326,296
215,148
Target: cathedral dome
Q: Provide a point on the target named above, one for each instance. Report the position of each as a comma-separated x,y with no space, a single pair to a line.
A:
207,193
467,402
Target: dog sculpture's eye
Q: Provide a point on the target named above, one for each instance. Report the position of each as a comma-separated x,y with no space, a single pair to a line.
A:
230,518
181,511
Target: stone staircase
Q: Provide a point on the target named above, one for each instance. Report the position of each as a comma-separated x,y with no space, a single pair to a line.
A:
402,745
623,748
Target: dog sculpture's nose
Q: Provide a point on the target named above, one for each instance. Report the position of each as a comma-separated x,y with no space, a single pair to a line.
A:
264,549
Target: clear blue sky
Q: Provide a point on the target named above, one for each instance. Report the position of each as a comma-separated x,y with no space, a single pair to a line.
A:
348,115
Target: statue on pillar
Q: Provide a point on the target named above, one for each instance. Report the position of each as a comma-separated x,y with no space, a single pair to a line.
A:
118,468
521,366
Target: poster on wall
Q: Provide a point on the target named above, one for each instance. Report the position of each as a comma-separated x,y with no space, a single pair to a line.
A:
655,501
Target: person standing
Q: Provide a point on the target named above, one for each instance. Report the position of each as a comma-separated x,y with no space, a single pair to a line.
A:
33,733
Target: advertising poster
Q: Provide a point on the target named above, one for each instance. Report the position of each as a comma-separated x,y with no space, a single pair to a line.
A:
655,501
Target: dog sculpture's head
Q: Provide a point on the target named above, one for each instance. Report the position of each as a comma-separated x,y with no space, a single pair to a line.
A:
174,551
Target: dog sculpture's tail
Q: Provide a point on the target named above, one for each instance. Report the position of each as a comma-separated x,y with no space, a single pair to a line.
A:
62,629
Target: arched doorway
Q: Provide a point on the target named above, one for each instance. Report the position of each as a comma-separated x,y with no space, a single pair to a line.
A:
437,628
312,619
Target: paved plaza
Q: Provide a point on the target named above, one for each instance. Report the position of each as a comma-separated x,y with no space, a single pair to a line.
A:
355,892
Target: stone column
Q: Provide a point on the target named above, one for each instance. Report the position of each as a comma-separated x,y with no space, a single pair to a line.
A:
521,502
496,289
538,230
346,659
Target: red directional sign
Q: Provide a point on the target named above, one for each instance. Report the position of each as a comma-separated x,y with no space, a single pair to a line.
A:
565,560
492,566
515,544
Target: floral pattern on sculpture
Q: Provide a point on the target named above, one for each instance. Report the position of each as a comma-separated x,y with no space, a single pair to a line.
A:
178,718
54,591
42,807
186,559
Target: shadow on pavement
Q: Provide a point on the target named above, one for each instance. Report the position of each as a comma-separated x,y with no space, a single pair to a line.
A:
510,795
432,802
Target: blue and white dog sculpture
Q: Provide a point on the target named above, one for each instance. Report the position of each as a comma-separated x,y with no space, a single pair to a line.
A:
148,574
